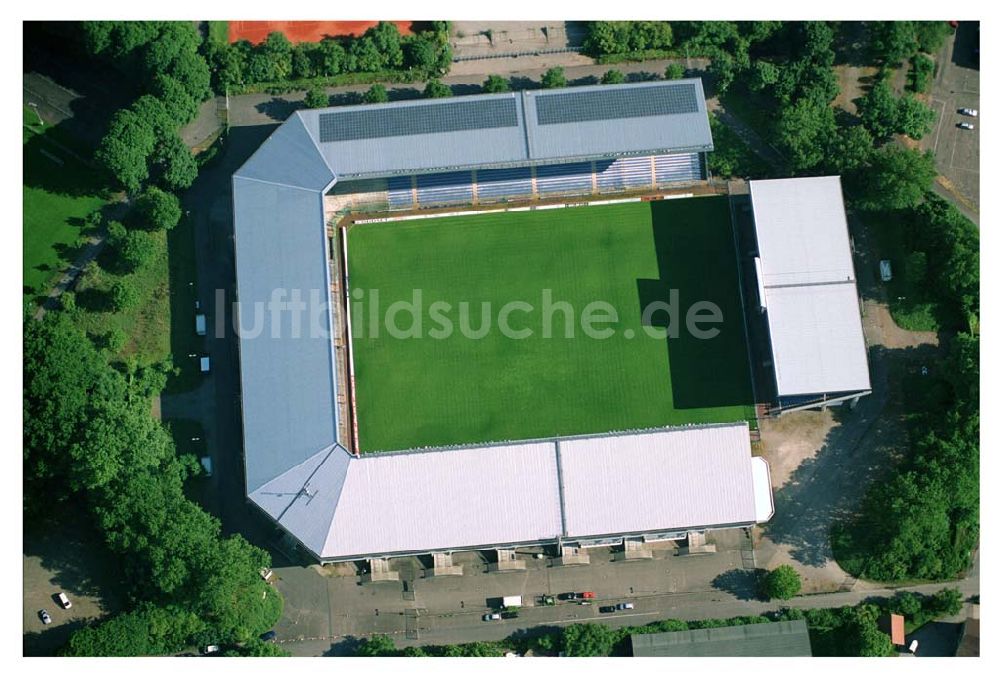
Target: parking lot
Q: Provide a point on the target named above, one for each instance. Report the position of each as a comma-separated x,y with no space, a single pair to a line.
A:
956,86
329,604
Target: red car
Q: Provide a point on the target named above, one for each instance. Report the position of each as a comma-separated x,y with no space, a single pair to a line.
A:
587,595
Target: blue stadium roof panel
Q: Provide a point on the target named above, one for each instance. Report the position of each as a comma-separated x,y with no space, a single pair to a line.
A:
497,130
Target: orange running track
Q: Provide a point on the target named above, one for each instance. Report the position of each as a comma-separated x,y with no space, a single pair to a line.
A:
303,31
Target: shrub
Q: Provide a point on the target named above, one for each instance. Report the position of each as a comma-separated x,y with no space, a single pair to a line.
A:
156,209
136,250
923,70
376,94
124,295
781,583
436,89
554,78
613,77
495,85
316,98
674,71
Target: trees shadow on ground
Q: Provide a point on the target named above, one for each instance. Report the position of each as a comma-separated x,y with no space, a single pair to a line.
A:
743,584
278,108
827,489
851,44
965,52
51,640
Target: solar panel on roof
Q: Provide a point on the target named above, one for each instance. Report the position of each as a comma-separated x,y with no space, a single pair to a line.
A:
455,116
612,104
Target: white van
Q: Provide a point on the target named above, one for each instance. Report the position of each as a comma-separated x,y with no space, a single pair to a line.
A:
200,326
206,463
885,270
205,364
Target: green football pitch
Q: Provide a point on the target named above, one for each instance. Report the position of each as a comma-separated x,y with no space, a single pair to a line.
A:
417,384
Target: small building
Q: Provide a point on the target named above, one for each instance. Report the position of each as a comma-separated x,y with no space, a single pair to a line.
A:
784,638
807,290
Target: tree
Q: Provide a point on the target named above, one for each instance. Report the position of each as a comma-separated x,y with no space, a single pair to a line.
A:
913,118
723,69
931,34
177,101
173,163
895,178
377,645
496,84
588,639
613,77
385,38
316,97
554,78
124,295
435,89
137,249
892,42
946,602
156,209
763,74
277,53
906,603
877,110
850,148
376,94
125,149
803,131
674,71
782,582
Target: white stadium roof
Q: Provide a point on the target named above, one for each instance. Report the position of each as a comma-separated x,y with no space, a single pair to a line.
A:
343,507
810,290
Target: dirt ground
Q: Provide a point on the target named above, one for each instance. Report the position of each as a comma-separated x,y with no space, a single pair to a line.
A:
823,461
853,82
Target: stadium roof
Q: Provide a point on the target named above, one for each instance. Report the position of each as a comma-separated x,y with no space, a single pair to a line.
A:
784,638
516,128
810,290
344,507
296,469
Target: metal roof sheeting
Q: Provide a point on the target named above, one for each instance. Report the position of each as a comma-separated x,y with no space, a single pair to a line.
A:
809,286
344,507
476,131
673,479
287,371
782,638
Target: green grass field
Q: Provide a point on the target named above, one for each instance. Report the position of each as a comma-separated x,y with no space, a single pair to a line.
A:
59,191
432,391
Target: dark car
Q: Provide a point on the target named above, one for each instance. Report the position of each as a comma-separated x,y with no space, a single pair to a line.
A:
269,636
506,615
569,596
610,609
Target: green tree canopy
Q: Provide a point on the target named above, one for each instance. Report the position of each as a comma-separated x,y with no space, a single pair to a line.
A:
376,94
156,209
783,582
495,84
613,77
554,78
435,89
316,97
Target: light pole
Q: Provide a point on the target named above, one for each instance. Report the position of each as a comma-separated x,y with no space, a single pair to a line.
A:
34,107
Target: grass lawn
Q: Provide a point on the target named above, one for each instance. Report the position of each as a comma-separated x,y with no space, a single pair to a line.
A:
911,307
437,391
218,31
59,191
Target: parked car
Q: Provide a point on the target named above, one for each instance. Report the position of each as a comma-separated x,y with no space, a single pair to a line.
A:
206,464
204,364
971,112
608,609
885,270
64,601
509,614
491,616
44,615
966,125
622,606
266,574
569,596
210,649
587,595
547,600
269,636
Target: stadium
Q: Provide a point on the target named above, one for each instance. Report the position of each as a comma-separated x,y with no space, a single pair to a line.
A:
366,446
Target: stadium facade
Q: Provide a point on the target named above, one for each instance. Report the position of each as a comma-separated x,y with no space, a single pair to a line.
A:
301,467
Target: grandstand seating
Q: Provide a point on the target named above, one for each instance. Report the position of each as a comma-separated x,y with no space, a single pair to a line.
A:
498,184
569,178
576,178
400,189
446,188
677,168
